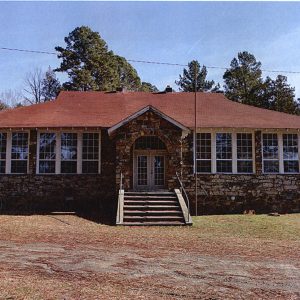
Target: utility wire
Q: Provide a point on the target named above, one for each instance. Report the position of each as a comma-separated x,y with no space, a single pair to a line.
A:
149,62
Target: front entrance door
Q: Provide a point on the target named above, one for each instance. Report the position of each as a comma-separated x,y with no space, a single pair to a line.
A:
149,171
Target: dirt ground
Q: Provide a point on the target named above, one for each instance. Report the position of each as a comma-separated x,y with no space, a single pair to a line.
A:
220,257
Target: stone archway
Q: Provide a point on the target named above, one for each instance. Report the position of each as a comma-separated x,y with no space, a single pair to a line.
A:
148,124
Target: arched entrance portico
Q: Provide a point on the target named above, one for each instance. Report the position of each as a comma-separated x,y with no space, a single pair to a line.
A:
149,163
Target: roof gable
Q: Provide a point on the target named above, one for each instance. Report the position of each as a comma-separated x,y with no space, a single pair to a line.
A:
142,111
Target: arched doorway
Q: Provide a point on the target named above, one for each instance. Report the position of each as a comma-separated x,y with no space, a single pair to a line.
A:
149,163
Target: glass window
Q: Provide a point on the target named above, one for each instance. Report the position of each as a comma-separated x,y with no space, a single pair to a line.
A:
69,153
290,153
224,152
47,154
149,143
90,153
3,141
244,153
203,152
19,152
270,153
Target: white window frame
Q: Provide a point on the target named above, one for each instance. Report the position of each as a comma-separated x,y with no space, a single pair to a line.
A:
298,146
38,151
58,159
5,160
280,150
253,152
9,149
99,152
234,132
200,159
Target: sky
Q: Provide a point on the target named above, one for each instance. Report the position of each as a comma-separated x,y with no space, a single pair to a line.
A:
176,32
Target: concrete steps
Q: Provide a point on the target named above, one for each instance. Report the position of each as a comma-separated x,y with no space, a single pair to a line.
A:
152,208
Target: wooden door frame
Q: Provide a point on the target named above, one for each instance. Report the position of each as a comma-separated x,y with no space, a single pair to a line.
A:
148,153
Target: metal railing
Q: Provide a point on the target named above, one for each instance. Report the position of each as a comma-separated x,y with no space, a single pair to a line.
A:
121,181
186,198
119,217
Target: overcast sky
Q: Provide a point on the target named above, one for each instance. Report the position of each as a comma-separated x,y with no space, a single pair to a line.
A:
176,32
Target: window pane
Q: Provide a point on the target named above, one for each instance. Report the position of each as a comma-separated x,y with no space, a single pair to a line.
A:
244,166
47,167
291,166
90,146
290,146
90,167
69,167
204,166
223,146
244,145
19,147
2,166
149,143
47,146
18,166
224,166
3,139
69,146
203,146
270,146
271,166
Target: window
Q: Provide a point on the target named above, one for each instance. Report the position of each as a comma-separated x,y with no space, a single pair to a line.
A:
244,153
290,153
203,152
47,145
3,141
69,153
90,153
270,153
149,143
224,152
19,152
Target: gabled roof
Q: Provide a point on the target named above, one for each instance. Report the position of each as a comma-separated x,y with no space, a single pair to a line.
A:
142,111
101,109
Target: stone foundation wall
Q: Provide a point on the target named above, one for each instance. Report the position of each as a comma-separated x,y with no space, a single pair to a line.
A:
35,193
218,194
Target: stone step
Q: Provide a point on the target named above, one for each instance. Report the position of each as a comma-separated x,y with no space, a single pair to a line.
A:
150,202
162,193
160,223
152,207
152,212
153,218
148,197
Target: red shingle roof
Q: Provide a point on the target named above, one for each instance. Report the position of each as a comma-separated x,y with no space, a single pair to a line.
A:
100,109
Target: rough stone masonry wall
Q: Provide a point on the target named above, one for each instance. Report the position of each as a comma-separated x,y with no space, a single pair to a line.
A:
228,193
35,192
147,124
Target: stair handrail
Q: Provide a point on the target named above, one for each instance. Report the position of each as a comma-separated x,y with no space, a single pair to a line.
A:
121,181
186,198
120,197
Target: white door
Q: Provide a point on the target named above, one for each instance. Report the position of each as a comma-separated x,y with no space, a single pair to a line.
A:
149,171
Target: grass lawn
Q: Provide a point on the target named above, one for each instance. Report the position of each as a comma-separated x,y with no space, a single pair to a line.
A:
220,257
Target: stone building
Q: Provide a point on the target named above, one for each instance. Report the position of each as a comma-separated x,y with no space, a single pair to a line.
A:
78,151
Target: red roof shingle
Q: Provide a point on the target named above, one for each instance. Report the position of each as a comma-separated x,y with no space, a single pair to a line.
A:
101,109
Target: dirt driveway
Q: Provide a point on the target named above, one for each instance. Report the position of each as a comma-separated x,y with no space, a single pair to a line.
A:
67,257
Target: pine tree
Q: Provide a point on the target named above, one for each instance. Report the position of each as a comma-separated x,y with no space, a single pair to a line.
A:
50,86
186,81
148,87
91,66
243,80
282,96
